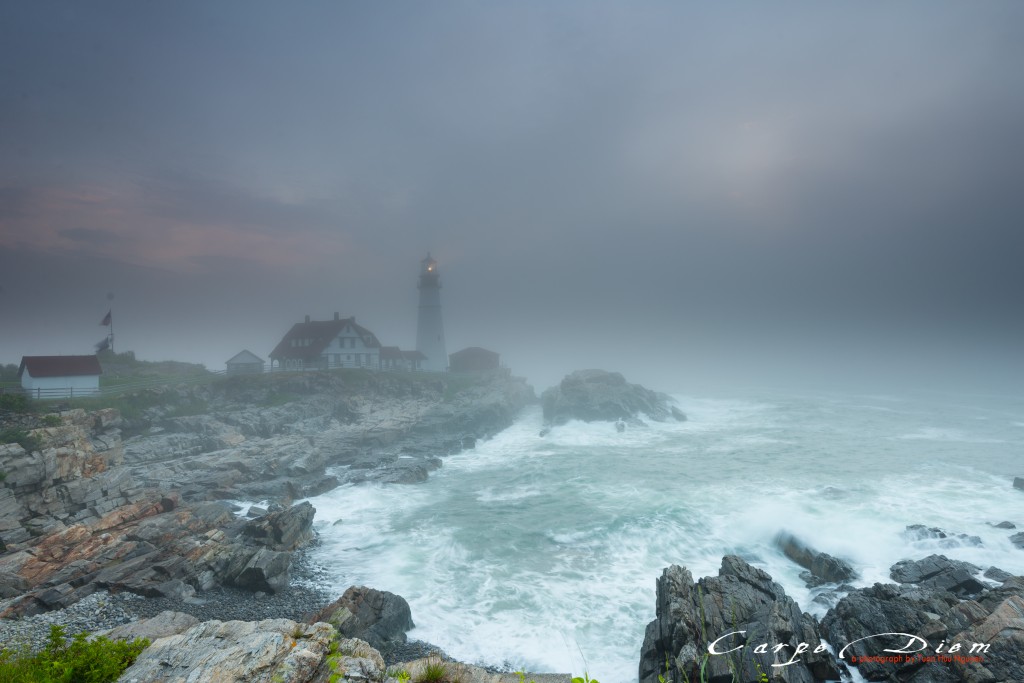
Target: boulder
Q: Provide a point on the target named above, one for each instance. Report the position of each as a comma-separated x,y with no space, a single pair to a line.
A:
378,617
939,572
1018,483
285,530
598,395
743,601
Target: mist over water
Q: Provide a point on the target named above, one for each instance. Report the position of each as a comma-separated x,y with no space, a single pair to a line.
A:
542,553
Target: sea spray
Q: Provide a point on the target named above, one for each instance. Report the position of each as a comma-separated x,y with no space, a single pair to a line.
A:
531,551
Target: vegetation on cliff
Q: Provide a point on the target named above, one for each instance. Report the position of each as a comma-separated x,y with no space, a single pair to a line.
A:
80,660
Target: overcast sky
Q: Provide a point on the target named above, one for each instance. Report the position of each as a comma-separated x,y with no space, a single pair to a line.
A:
636,186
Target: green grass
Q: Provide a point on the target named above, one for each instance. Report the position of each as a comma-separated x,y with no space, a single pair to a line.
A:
76,661
434,671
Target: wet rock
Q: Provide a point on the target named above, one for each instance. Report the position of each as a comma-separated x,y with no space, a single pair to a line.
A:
1018,540
939,572
821,567
1005,525
997,574
920,532
598,395
690,616
994,618
1018,483
378,617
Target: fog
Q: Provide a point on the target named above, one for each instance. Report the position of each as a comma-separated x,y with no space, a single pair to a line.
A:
685,194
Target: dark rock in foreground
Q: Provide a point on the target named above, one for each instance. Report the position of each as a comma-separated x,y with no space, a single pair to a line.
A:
939,572
598,395
950,639
690,617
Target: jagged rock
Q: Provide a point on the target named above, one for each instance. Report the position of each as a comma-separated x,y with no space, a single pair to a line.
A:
1018,540
378,617
936,617
284,530
940,572
278,650
822,567
690,617
167,623
598,395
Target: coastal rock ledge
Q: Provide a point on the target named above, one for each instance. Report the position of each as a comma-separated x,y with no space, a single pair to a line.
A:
599,395
743,601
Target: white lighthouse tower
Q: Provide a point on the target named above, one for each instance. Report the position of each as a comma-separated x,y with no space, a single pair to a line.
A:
429,330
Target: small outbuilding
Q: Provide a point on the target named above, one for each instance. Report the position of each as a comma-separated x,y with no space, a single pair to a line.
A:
393,358
473,359
245,363
60,376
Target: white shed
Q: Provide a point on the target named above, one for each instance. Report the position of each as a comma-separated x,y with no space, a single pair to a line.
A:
245,363
60,376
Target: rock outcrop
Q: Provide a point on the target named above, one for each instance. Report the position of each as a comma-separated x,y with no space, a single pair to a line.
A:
766,627
598,395
273,650
158,548
955,639
83,510
939,572
378,617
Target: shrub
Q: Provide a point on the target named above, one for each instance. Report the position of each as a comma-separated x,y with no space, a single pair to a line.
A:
15,403
78,661
27,441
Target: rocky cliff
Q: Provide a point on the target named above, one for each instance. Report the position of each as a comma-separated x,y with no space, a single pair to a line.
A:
84,510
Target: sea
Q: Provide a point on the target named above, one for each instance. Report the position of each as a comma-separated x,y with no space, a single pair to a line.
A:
541,553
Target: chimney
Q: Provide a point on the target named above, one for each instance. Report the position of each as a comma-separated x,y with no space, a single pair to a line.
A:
307,318
337,316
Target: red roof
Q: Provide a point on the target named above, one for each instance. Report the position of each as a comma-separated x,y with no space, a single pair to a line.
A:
320,334
60,366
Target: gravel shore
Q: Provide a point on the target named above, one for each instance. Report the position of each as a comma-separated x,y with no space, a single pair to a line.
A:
102,611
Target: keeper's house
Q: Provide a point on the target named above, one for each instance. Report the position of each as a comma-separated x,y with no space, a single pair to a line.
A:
323,344
60,376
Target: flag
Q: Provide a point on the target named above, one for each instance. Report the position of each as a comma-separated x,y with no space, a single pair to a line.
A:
103,345
106,319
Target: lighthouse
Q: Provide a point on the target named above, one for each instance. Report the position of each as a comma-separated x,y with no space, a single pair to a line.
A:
429,330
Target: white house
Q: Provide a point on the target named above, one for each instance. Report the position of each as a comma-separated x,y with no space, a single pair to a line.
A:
60,376
322,344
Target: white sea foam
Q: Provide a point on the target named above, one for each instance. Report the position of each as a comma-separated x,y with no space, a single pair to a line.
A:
531,550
